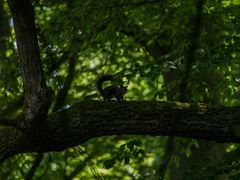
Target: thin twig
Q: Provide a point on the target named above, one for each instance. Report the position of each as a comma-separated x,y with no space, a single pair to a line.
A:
34,167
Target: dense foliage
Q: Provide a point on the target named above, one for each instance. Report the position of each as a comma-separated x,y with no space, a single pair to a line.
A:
146,45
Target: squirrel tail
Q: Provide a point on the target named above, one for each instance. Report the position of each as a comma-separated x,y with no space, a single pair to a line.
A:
102,78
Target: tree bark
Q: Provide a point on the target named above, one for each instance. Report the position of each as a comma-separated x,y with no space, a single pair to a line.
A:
90,119
37,96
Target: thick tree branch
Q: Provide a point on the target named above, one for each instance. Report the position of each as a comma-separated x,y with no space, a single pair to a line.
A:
36,94
11,142
91,119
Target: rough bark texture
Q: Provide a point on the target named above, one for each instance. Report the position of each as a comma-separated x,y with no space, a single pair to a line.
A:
36,94
91,119
11,142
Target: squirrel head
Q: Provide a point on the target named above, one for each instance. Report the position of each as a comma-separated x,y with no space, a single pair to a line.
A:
123,89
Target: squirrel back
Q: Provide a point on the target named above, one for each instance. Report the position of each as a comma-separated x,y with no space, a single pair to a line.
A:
111,91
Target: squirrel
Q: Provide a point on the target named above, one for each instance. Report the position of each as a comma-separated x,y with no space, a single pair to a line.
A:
111,91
